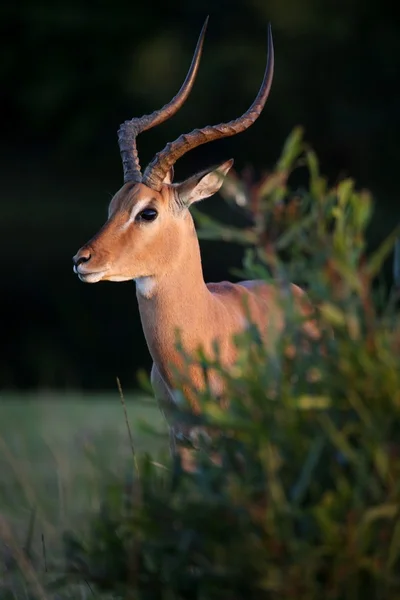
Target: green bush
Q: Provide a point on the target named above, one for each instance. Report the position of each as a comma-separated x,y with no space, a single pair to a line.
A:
305,503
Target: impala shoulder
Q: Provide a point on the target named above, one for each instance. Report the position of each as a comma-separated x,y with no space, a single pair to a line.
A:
225,288
256,290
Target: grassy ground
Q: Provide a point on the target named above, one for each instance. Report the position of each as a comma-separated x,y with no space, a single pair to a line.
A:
56,454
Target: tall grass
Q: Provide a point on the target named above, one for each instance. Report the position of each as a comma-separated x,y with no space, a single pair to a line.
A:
58,453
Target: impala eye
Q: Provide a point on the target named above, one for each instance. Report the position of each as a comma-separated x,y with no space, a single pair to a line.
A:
148,214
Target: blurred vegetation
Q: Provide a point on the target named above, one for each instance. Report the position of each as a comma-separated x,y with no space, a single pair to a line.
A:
305,502
54,464
73,71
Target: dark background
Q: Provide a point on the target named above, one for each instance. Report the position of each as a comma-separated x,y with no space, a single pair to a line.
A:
72,71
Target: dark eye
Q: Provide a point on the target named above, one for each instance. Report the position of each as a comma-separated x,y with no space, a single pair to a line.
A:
148,214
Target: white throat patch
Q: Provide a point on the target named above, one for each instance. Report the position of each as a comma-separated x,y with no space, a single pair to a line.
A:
145,286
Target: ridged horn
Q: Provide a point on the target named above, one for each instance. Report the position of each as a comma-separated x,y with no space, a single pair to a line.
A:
164,160
129,130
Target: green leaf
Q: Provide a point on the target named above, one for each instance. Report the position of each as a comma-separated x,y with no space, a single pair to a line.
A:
318,184
292,149
307,402
383,511
344,192
376,261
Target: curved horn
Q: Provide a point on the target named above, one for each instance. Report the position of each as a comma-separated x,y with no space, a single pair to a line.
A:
162,162
129,130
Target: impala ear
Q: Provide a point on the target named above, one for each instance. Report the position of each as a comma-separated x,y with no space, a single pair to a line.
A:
169,178
202,185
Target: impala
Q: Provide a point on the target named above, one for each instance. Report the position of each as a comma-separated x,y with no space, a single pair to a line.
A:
150,238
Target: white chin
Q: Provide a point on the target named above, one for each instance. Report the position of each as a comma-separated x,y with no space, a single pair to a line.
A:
91,277
101,276
117,278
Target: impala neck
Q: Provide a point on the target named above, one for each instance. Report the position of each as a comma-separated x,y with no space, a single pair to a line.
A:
176,300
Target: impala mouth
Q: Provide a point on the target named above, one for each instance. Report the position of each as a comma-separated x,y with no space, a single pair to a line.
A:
89,276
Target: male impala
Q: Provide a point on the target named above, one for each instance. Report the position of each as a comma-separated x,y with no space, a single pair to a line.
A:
150,237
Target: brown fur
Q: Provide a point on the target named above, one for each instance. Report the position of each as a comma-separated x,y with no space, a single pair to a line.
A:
167,250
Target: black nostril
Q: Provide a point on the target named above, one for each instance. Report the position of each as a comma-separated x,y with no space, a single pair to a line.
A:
81,257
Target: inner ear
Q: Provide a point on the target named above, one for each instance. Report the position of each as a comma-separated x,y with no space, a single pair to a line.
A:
202,185
169,178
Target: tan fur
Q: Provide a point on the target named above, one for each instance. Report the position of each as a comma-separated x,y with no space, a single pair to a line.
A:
168,252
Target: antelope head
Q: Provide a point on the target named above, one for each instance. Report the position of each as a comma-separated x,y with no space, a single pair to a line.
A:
147,216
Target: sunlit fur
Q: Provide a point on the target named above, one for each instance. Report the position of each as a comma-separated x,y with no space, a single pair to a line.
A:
164,257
